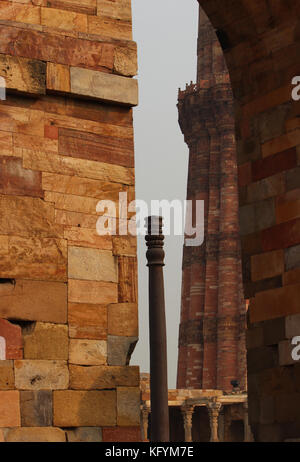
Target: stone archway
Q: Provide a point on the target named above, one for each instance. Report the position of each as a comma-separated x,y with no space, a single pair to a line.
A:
260,40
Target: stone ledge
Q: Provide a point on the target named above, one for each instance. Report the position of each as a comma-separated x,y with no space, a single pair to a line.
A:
105,87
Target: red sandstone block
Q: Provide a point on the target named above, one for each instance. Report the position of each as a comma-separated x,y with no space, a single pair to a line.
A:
244,174
276,163
56,48
276,303
121,434
10,409
51,132
90,146
288,211
281,143
14,179
13,345
267,101
281,236
267,265
291,277
79,6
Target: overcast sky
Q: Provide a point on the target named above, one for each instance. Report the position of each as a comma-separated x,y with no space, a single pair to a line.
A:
166,34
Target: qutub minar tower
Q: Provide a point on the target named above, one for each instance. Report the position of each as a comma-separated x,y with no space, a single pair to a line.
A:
212,350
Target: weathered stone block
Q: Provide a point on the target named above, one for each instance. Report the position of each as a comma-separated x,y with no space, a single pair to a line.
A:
14,179
121,9
87,238
92,292
125,60
85,435
49,303
58,77
291,277
287,407
38,160
27,217
267,410
281,143
36,435
46,341
123,319
128,404
79,186
97,377
267,265
24,75
106,87
108,27
275,303
120,349
41,375
264,189
33,258
13,340
10,409
92,265
36,408
271,123
110,149
292,257
85,408
87,321
7,378
81,6
125,245
262,358
285,353
20,12
122,434
264,168
127,280
57,48
23,121
66,20
274,331
254,337
293,179
88,352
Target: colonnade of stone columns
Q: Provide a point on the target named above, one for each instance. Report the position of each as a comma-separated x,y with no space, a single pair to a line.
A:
215,412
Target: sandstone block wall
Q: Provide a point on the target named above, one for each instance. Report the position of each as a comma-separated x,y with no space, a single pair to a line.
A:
68,297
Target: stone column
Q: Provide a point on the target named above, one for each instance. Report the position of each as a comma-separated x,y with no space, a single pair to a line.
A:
157,332
187,413
221,431
248,437
214,411
145,418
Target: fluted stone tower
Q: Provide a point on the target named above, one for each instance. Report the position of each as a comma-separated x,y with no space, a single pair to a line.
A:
212,328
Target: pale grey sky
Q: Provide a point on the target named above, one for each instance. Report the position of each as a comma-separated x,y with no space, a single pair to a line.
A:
166,33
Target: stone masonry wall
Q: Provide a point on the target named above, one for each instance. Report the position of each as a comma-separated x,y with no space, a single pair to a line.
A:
261,43
68,297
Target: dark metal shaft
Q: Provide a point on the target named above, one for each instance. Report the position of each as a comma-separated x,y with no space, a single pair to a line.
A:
158,338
